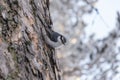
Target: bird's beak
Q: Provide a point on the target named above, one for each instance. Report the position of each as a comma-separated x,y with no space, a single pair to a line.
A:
63,43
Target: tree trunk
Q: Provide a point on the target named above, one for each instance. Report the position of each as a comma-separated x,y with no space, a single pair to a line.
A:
24,54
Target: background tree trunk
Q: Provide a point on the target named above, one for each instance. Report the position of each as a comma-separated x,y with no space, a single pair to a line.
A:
23,52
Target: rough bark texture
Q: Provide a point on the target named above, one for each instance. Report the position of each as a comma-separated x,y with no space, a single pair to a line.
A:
23,53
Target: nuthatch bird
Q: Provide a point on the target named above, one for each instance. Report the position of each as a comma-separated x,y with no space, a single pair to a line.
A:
53,38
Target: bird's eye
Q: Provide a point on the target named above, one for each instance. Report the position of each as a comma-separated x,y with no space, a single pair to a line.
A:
63,40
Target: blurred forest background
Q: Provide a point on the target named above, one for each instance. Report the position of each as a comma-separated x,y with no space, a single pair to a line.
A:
92,28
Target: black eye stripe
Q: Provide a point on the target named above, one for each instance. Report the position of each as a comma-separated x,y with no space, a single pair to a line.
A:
63,39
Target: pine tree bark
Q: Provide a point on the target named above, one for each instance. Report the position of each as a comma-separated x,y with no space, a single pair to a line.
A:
24,54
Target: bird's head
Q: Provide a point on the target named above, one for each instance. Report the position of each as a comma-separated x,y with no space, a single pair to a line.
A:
62,39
